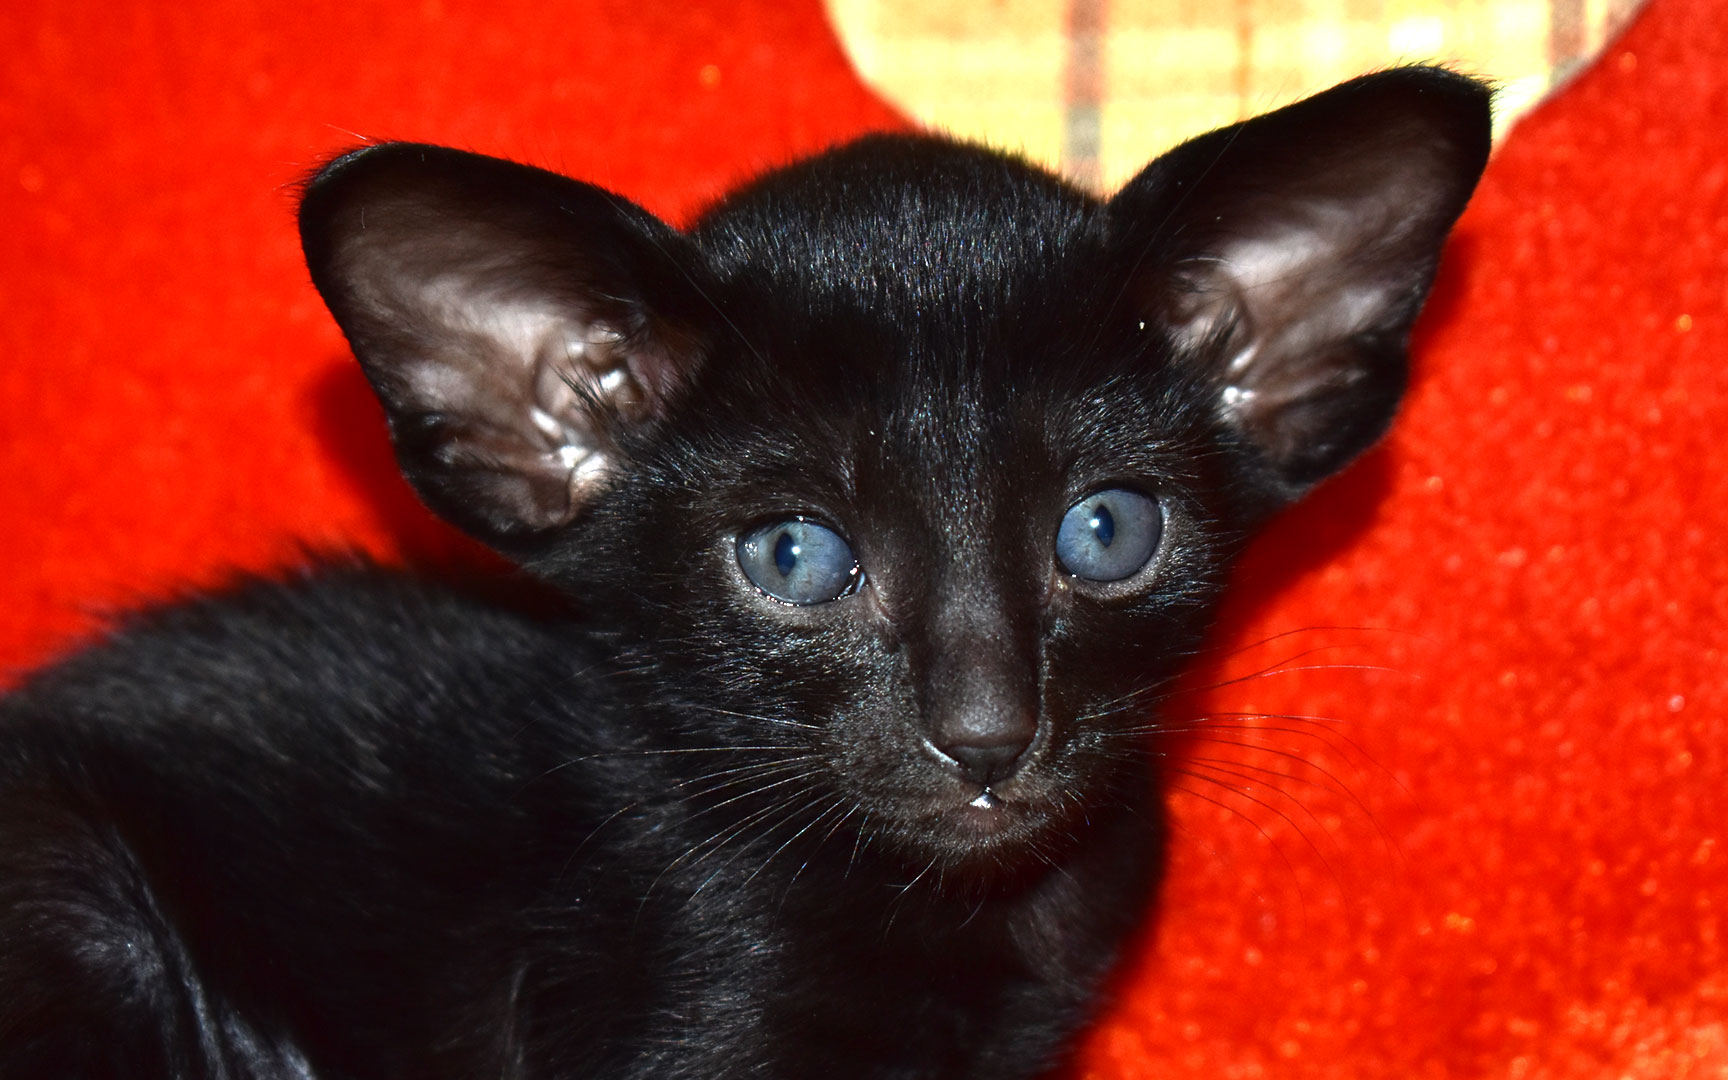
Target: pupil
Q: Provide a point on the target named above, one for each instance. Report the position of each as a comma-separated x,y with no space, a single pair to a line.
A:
785,554
1103,524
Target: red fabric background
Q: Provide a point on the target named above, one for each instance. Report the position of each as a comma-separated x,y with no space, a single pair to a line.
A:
1503,859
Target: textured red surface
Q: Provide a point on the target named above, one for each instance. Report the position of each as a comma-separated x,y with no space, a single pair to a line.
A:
1504,857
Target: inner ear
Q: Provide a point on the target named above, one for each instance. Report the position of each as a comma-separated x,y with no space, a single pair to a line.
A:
1290,255
514,323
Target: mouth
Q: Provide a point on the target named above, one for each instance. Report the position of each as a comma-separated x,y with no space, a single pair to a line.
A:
986,814
979,829
987,821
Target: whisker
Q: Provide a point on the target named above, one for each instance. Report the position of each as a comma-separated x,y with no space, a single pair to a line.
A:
1335,741
1282,666
680,750
595,831
793,838
752,767
729,800
1227,652
1222,805
857,845
779,720
1265,805
1250,774
765,831
899,900
714,842
839,802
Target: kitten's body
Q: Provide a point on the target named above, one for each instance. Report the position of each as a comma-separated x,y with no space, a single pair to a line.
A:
505,880
710,821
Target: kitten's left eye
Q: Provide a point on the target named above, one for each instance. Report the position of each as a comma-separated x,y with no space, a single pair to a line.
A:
1109,535
799,562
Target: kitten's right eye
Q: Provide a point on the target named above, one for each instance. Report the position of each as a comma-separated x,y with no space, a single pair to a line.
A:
799,562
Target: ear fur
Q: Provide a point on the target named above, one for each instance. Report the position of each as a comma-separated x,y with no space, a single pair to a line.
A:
512,321
1291,254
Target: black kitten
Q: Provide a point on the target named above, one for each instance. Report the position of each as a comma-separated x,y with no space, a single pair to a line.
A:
879,497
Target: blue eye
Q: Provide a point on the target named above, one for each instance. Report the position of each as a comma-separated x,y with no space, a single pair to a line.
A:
799,562
1109,535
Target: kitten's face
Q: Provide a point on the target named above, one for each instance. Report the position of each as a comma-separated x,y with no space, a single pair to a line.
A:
943,560
909,467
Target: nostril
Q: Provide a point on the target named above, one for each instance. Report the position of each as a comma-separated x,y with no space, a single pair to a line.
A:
986,764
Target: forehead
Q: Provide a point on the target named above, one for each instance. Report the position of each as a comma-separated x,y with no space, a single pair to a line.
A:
911,280
900,225
944,425
919,322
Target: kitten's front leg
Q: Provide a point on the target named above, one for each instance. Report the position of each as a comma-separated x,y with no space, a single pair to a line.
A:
95,981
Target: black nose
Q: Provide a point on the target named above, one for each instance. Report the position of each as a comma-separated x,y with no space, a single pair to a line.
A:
981,698
988,763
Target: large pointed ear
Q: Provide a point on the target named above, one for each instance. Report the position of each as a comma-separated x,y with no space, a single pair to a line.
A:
1291,253
513,322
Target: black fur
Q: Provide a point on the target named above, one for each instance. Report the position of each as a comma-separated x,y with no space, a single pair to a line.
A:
353,825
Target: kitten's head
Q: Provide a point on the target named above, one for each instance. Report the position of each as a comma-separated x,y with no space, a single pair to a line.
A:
909,464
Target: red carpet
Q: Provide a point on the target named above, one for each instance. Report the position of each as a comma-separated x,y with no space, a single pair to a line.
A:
1513,862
